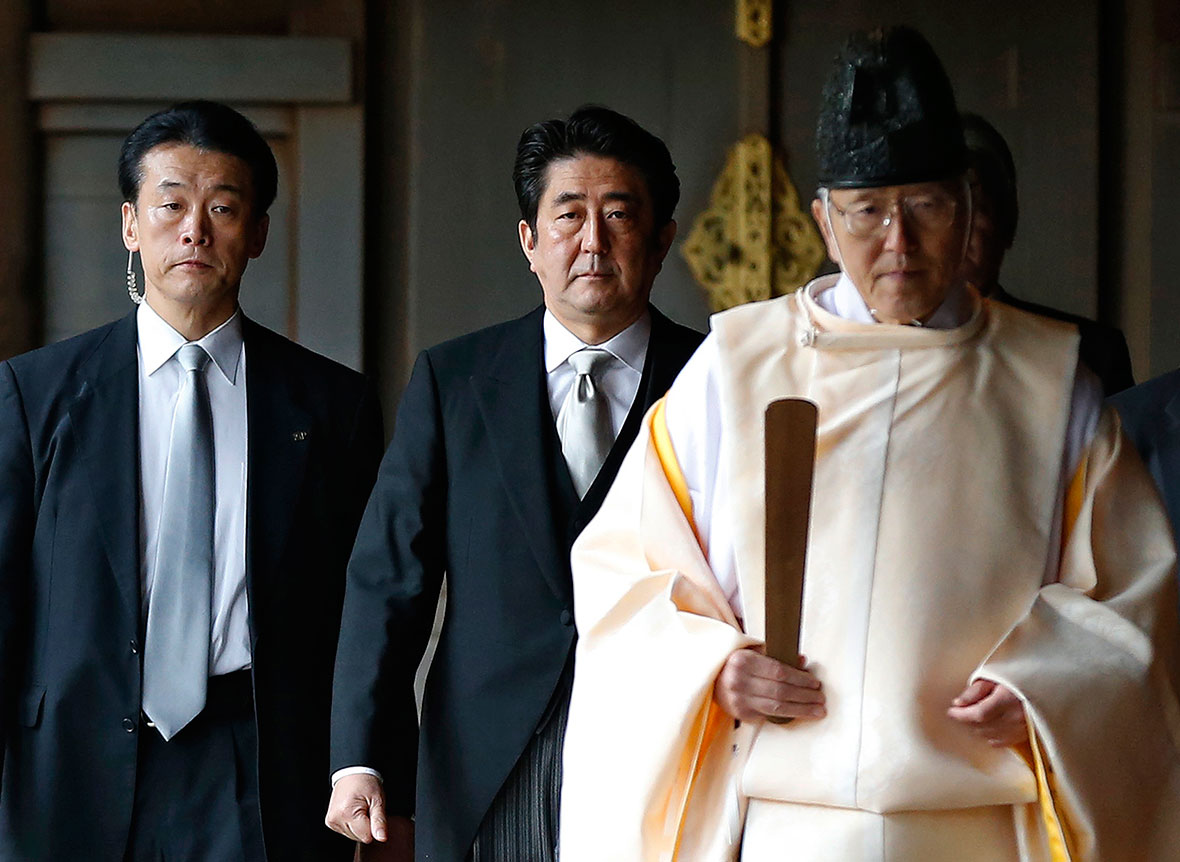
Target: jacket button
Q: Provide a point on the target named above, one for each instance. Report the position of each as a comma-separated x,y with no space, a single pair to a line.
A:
134,647
567,619
129,725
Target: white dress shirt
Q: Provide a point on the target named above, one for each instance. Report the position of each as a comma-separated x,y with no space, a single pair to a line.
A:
159,384
619,383
693,417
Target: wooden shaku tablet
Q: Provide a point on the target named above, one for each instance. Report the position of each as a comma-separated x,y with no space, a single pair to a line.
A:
790,466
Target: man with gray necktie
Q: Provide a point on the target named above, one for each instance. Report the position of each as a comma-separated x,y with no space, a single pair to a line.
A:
179,492
506,442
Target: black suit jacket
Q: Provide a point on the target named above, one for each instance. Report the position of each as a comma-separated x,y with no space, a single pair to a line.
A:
474,486
1103,348
70,622
1151,418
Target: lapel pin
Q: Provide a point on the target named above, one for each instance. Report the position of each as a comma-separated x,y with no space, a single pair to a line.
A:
299,436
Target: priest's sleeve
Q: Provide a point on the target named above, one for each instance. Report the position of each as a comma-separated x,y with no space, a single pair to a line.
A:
650,760
1095,664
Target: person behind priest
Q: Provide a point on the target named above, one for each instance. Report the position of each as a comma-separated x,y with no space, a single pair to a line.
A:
989,581
179,493
506,441
993,230
1151,417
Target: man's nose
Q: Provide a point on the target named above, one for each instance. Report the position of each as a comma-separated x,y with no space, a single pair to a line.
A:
899,233
196,229
595,239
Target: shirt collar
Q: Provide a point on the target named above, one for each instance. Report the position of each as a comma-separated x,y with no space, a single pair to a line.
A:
158,342
850,305
628,346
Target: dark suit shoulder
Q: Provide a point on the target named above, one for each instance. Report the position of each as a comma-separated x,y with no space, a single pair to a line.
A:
258,335
1141,405
61,360
674,336
302,365
473,349
1103,347
50,378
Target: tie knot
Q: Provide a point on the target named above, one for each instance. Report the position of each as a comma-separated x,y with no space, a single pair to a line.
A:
589,360
192,357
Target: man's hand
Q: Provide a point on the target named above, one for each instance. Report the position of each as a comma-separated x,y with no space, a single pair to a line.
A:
992,711
753,687
357,809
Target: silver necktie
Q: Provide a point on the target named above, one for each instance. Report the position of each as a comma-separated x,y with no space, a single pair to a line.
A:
587,431
176,649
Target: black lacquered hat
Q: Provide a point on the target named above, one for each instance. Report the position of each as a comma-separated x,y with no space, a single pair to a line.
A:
888,115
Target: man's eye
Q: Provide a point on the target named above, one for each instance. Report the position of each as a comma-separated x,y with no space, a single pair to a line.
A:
171,205
222,209
618,214
567,216
865,210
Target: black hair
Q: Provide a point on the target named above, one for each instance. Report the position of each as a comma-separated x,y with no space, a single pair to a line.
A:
596,131
995,170
206,126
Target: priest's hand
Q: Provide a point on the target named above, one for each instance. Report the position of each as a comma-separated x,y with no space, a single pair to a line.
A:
754,687
991,711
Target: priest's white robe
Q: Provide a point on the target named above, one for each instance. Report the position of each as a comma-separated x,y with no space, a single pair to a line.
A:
942,549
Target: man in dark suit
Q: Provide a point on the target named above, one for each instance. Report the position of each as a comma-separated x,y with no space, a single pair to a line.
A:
179,492
1103,348
1151,418
496,465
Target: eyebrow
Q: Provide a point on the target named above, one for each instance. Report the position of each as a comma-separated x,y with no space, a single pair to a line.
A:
568,197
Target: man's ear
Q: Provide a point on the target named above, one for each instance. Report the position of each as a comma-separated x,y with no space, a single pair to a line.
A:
130,227
261,231
528,242
665,239
821,221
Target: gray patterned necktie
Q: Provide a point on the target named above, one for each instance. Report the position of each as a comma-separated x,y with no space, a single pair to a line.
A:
588,433
176,649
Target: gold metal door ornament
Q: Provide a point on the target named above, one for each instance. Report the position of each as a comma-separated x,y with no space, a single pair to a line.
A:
755,240
755,21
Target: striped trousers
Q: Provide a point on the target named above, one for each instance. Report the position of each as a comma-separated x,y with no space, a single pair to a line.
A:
521,824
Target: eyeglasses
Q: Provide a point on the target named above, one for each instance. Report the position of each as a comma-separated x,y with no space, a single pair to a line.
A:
929,211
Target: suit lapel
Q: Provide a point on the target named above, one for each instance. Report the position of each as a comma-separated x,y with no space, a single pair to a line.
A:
277,440
660,367
105,420
511,396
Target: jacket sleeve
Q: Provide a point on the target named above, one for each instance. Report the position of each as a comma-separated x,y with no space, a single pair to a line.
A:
17,510
393,583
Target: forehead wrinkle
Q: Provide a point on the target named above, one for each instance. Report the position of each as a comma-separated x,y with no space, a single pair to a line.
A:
181,184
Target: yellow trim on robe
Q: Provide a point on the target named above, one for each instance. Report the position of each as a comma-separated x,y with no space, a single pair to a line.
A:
712,721
1055,828
662,441
1075,498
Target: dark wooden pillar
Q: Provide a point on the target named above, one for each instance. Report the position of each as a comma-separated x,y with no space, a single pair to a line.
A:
18,319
